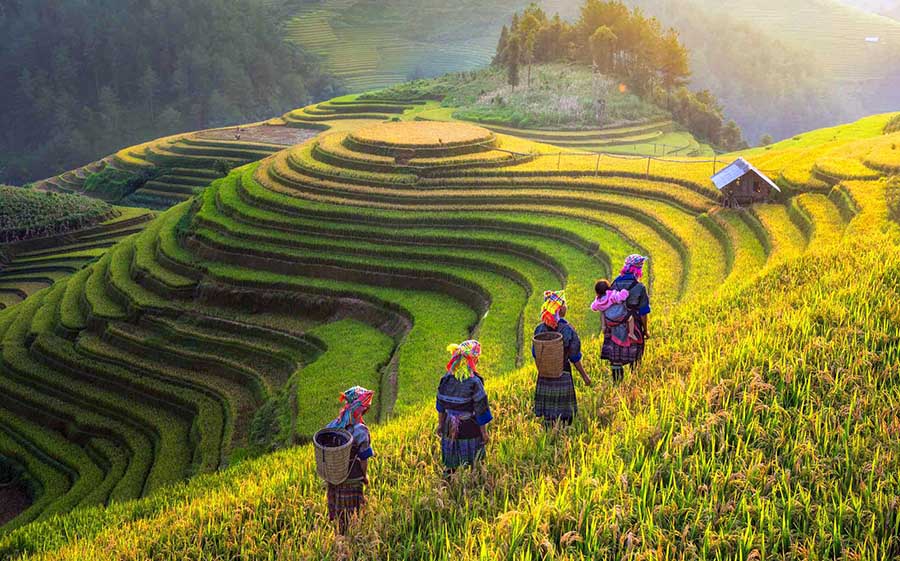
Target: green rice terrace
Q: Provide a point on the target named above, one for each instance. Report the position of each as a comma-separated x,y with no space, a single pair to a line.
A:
159,402
48,237
173,169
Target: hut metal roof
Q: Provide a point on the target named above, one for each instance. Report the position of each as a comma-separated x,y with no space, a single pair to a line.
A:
736,169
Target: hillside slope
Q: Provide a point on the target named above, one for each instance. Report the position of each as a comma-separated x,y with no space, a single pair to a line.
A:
381,260
369,45
889,8
818,47
85,79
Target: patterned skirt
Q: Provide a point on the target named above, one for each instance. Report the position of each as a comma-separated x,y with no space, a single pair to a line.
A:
555,400
461,452
617,354
345,499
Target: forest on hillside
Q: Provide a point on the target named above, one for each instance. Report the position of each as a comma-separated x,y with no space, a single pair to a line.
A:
620,42
82,79
767,85
768,75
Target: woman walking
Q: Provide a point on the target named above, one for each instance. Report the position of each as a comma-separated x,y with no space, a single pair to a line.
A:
622,350
346,500
463,408
554,398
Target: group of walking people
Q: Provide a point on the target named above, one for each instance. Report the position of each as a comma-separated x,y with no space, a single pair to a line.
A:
462,404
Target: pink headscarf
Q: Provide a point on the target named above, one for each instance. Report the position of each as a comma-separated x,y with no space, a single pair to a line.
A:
634,264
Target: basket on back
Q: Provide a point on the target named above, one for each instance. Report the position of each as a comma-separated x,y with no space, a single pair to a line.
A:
332,448
549,354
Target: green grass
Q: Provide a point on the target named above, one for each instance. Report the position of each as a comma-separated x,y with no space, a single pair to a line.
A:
560,97
713,428
355,353
228,327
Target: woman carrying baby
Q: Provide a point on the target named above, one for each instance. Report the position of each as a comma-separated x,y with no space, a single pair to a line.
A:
625,306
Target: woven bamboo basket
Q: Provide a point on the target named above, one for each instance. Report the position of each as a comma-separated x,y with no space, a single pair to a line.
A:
333,454
549,354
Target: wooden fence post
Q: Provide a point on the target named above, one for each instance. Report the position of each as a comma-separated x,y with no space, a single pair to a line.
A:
558,160
648,166
597,167
715,161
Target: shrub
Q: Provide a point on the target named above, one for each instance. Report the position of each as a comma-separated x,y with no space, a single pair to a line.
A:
27,214
115,184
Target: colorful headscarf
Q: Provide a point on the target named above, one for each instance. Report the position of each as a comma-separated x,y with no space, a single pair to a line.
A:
553,301
357,401
634,264
467,350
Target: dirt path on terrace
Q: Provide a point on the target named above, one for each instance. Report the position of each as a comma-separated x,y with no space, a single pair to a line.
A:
13,501
286,136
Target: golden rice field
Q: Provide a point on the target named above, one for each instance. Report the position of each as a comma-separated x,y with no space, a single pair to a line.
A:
144,395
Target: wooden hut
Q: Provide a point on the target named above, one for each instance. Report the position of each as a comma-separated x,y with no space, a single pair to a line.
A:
742,184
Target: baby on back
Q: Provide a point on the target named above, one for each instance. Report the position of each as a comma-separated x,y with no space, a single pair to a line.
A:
612,304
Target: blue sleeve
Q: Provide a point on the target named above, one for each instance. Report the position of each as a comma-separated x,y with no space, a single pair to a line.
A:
575,347
484,418
438,406
643,302
482,411
363,440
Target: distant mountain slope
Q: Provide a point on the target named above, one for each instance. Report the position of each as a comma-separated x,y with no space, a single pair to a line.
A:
779,67
82,79
784,66
889,8
836,33
371,45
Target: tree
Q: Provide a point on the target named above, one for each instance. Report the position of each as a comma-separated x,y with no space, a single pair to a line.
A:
529,25
513,54
551,40
501,47
766,140
672,58
149,87
731,137
599,13
170,120
602,47
110,110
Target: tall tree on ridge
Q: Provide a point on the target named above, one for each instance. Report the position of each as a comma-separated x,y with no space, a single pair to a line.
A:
501,47
673,63
532,21
512,56
602,47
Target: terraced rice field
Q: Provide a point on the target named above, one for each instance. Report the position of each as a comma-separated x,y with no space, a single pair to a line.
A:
375,55
655,138
822,159
234,319
189,164
33,265
184,164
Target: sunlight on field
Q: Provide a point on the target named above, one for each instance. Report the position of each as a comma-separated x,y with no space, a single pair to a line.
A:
388,259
